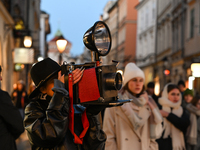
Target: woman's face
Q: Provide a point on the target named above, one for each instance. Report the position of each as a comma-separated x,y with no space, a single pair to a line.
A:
174,95
135,85
198,104
19,86
188,98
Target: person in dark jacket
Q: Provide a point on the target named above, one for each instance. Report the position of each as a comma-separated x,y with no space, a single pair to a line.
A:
20,97
11,123
181,86
176,120
150,91
47,115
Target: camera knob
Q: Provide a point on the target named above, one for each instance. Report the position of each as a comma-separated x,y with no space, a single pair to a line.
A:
101,99
100,70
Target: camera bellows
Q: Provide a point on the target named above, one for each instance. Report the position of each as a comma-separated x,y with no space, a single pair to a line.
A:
88,86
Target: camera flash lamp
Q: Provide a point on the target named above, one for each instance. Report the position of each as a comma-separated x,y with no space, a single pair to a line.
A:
98,38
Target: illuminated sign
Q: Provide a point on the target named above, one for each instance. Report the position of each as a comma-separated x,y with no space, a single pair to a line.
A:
24,55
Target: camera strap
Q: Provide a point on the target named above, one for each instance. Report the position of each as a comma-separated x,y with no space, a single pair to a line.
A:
85,122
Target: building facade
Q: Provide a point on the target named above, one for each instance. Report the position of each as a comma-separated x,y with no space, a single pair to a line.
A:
44,30
6,47
110,17
168,35
176,41
53,52
163,43
121,18
192,38
18,18
146,37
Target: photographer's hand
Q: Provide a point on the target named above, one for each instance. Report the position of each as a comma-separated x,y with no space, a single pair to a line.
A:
77,74
61,77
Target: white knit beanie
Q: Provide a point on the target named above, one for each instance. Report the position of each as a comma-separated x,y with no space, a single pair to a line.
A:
131,71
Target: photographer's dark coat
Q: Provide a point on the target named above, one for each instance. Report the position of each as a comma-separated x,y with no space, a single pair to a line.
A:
11,123
47,124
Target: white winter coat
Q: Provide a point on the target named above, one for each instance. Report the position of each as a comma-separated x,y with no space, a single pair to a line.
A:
120,132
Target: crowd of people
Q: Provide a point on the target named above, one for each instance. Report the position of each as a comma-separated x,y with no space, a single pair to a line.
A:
169,121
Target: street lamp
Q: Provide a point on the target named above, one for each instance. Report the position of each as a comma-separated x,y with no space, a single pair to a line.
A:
27,44
61,44
40,58
195,68
27,41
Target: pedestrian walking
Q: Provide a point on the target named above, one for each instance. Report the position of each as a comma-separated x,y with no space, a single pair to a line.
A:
193,131
187,97
20,97
176,120
181,86
47,115
133,125
11,123
150,91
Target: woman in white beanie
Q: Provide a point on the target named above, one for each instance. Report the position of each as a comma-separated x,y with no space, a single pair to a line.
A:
133,125
176,120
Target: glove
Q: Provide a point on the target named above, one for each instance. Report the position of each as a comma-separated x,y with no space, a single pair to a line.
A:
95,109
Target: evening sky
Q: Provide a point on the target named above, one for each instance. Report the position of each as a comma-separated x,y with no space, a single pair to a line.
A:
73,18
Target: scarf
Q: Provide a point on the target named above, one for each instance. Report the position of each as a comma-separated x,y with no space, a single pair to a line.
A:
169,129
192,129
136,120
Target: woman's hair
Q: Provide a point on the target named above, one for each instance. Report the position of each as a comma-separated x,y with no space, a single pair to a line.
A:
125,88
195,100
170,87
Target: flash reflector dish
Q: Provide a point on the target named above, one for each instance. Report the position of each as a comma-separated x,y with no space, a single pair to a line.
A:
98,38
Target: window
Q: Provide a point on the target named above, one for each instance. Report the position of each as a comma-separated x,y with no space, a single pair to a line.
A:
192,23
153,14
146,19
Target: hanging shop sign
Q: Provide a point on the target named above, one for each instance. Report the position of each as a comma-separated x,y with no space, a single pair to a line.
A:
24,55
20,33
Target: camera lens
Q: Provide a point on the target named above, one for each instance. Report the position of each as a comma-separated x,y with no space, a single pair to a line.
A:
113,81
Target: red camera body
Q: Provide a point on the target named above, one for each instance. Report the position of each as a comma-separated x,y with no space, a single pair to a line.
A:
98,85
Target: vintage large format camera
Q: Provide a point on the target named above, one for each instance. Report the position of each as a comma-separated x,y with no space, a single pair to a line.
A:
99,84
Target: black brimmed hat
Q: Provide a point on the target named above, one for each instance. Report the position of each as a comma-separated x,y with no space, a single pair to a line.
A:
42,72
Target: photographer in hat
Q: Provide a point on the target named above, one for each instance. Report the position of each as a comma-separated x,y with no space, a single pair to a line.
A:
47,115
11,123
